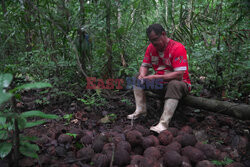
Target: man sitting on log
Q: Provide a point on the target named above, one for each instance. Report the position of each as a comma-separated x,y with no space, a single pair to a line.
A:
169,61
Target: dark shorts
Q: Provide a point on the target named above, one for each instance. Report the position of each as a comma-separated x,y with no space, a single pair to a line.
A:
172,90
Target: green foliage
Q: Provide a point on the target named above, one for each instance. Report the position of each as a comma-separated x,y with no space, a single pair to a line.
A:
93,100
205,142
28,149
78,145
68,118
126,101
220,142
109,118
8,119
72,134
226,161
5,80
112,117
5,149
43,101
41,40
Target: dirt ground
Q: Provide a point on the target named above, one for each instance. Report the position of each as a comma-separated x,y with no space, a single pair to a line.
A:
75,142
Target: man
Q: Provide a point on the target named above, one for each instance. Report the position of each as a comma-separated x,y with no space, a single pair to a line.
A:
169,61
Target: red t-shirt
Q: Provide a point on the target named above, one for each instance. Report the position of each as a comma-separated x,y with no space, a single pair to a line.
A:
174,58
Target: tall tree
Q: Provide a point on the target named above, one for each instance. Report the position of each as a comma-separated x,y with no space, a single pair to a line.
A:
166,11
119,25
28,29
190,7
3,7
173,15
108,40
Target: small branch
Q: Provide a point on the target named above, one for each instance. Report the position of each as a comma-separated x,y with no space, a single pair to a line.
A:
78,61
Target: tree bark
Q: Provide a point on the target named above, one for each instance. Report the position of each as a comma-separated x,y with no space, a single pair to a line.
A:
82,14
166,11
81,37
157,8
28,31
119,15
190,6
172,11
4,8
119,24
40,26
240,111
108,41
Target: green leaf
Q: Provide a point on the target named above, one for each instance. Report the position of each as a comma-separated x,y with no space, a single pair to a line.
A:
5,149
228,161
4,97
36,85
35,113
2,122
5,80
35,123
72,134
21,122
3,134
28,138
9,115
28,149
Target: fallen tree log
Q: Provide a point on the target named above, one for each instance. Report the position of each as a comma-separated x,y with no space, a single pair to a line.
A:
240,111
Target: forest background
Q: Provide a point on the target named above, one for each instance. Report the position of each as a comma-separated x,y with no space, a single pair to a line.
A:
64,41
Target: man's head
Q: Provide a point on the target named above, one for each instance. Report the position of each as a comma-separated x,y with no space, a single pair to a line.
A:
157,36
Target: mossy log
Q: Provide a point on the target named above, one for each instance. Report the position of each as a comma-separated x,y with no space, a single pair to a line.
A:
240,111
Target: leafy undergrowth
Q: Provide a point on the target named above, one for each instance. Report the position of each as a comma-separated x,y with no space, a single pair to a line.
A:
95,132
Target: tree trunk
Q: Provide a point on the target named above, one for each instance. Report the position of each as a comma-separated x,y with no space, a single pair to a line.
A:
40,26
119,24
190,5
172,11
157,9
166,11
28,31
52,42
66,15
108,41
240,111
119,15
4,7
81,36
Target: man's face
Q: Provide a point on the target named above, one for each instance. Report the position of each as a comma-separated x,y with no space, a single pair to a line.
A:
157,40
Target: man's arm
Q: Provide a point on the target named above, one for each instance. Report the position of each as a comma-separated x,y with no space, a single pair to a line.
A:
176,75
143,72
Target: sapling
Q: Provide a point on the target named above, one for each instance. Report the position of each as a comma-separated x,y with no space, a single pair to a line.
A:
16,122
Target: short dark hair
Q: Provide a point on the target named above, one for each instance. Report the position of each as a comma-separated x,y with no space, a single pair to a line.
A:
157,28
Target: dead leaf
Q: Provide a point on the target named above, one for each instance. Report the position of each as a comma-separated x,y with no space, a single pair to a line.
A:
105,120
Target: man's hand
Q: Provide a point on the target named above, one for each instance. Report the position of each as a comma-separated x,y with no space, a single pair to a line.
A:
140,77
143,72
149,77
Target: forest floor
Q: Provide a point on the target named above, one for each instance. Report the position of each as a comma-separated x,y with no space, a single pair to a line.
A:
91,134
